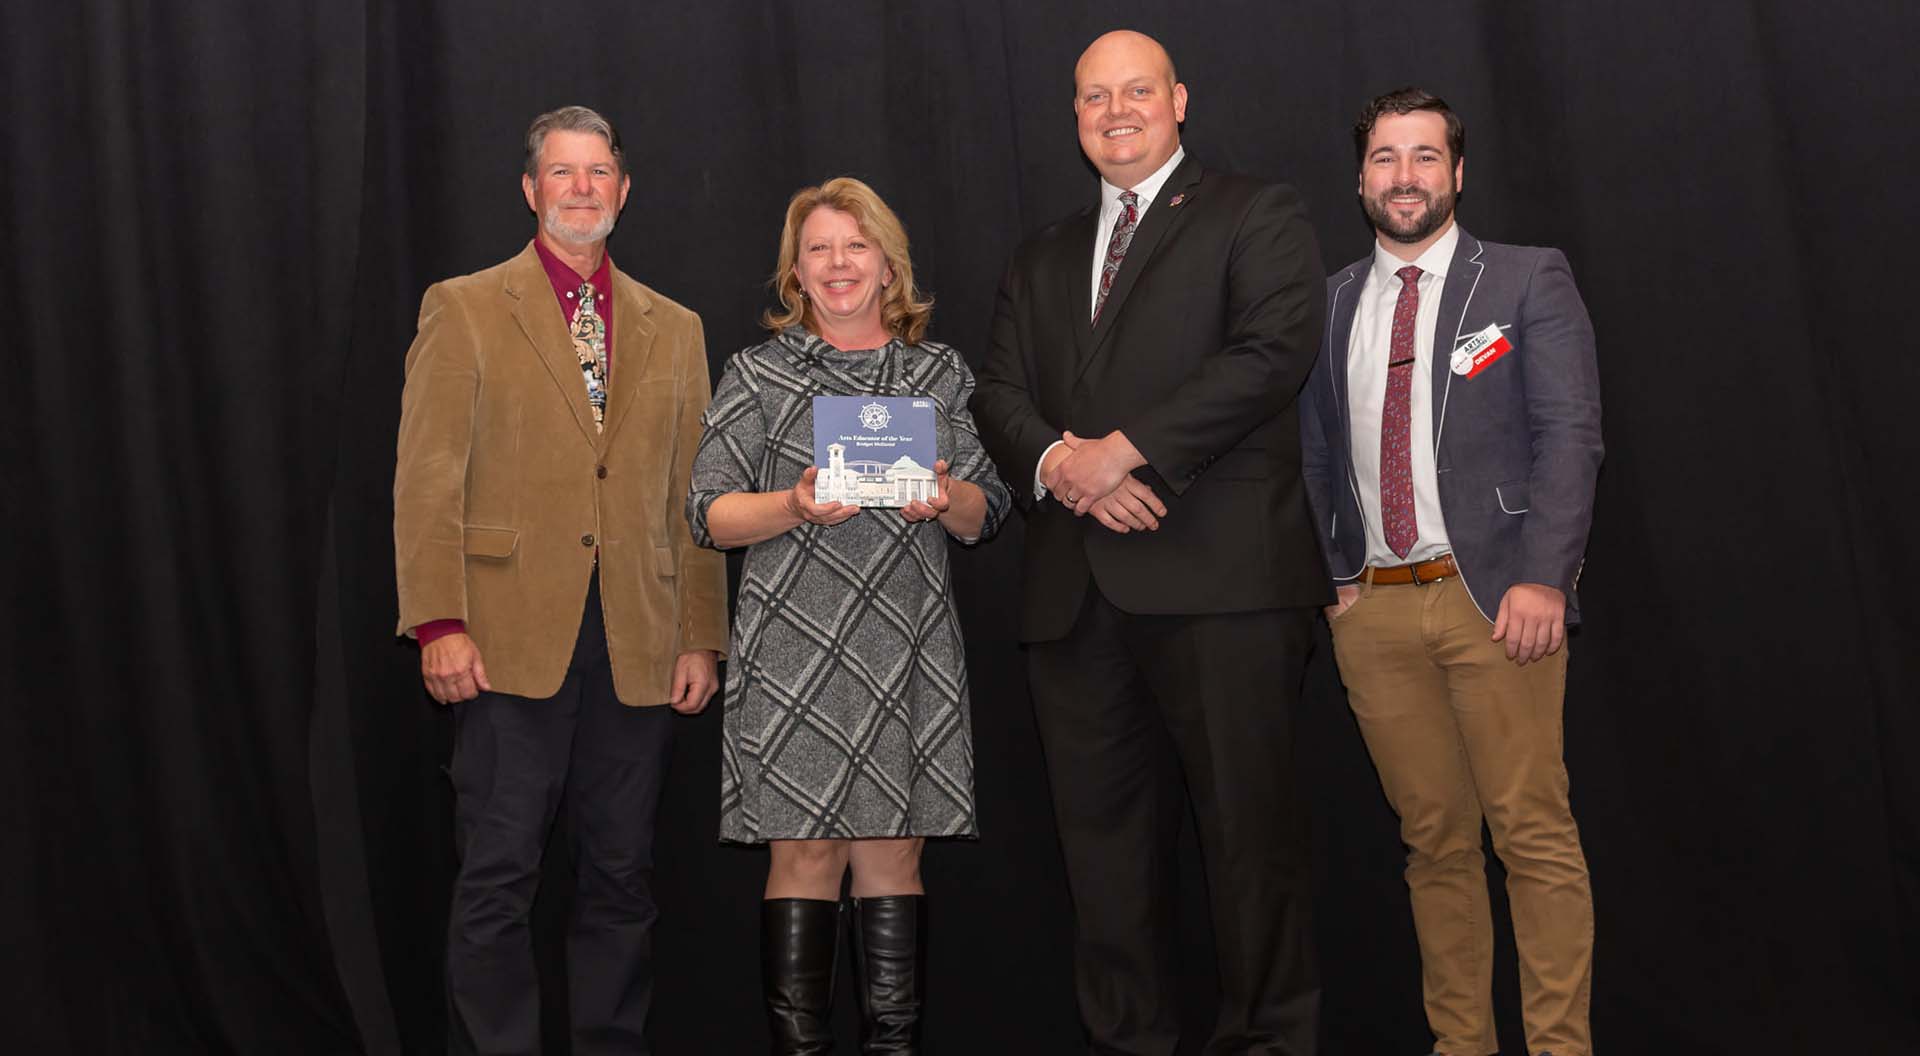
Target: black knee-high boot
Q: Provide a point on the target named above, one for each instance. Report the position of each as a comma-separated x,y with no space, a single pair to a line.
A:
889,936
799,946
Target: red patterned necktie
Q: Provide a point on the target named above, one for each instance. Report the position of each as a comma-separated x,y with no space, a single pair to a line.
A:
1396,421
1123,226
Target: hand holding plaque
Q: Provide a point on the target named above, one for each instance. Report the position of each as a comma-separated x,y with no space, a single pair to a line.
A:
874,450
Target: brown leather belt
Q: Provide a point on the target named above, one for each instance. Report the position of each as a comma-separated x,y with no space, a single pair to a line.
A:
1440,567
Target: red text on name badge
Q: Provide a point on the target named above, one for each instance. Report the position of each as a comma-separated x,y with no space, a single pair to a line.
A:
1480,351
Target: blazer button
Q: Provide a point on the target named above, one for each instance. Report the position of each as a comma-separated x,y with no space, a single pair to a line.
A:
587,539
601,472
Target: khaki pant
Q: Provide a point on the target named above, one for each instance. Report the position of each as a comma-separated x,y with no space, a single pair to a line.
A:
1458,732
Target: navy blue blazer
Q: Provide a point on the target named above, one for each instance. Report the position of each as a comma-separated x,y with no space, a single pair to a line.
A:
1516,447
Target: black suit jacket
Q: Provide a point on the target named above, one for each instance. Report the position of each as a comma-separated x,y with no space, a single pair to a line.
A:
1208,333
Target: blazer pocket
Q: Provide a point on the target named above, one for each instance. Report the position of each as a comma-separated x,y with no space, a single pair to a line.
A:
1512,496
663,561
490,542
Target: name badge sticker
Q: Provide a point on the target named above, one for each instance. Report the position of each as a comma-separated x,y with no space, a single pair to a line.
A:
1479,351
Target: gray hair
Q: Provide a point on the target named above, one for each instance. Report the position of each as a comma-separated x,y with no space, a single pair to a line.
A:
571,119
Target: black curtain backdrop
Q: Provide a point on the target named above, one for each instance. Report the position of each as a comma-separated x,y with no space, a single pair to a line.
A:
226,822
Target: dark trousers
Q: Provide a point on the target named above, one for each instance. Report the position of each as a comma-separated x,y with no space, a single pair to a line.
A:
515,760
1127,706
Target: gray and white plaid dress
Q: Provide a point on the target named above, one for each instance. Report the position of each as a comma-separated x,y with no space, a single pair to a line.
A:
846,711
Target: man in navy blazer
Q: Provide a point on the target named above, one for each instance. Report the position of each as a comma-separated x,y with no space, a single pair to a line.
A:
1450,443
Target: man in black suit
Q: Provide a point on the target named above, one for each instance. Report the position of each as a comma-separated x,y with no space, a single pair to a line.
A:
1145,359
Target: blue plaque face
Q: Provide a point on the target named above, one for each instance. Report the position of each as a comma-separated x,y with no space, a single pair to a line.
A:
873,450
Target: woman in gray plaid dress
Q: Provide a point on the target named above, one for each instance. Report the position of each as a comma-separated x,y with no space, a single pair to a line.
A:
847,736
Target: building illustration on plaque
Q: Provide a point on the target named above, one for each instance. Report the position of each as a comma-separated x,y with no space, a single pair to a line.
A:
864,483
874,450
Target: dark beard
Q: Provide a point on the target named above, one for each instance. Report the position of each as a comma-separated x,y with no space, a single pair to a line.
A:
1439,210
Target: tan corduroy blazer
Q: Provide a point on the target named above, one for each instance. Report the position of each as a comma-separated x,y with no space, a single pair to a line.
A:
503,491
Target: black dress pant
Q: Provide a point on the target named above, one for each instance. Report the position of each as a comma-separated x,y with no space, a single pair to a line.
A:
515,760
1127,707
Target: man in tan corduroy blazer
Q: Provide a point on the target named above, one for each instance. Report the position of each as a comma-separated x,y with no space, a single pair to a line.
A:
548,424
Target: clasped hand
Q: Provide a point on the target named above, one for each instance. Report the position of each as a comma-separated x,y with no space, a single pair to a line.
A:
1095,477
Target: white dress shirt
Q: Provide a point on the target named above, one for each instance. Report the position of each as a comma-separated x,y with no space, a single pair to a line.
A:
1367,353
1110,209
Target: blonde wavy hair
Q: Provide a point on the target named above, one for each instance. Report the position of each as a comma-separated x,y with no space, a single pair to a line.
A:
904,311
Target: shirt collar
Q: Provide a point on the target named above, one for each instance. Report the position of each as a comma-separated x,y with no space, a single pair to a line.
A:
1148,189
1435,261
566,281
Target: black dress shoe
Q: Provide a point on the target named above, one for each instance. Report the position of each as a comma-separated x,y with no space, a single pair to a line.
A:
889,937
799,946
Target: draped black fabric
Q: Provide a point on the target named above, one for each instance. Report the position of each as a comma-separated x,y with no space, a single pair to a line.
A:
182,196
227,828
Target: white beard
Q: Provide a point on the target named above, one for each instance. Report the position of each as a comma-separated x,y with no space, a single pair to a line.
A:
557,226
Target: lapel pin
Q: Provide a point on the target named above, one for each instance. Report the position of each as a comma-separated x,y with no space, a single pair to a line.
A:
1176,200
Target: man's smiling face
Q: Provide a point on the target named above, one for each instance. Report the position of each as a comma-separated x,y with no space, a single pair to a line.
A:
1129,106
1409,179
579,189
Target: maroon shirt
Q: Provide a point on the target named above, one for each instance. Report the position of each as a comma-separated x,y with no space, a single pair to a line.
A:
566,289
566,286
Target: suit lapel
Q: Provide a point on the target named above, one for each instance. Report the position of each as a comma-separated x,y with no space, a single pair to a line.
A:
633,333
1160,216
540,319
1346,296
1078,245
1463,278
